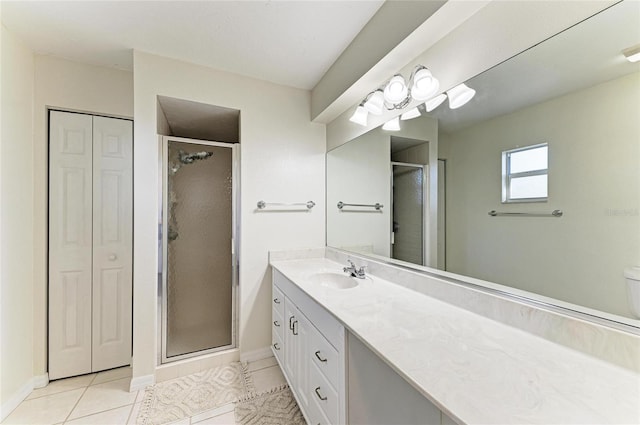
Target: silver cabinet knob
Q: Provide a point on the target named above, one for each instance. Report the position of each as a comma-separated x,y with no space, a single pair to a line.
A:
113,257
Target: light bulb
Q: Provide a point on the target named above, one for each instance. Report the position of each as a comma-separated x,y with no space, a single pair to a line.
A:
433,103
392,125
396,91
459,95
359,116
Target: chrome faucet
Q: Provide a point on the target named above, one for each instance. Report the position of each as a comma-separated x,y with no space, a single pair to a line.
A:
354,271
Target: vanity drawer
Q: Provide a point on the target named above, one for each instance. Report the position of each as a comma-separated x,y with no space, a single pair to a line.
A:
277,300
277,324
315,413
277,346
322,393
324,356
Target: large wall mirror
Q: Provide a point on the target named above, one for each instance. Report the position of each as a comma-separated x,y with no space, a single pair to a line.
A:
440,176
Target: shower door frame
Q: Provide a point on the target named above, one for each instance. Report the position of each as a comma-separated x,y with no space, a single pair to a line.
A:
235,179
425,207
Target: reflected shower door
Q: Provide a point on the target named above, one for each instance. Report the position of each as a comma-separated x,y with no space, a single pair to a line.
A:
408,213
199,277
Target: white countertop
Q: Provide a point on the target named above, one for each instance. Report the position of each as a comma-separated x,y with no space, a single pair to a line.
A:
474,369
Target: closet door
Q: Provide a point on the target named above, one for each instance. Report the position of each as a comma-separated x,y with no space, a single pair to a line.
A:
70,244
112,242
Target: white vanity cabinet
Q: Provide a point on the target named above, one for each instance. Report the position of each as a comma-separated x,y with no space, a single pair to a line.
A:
309,344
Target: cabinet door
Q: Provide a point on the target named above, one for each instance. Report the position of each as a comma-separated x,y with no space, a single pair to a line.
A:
301,336
290,353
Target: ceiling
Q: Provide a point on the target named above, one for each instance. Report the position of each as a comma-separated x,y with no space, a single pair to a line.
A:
582,56
285,42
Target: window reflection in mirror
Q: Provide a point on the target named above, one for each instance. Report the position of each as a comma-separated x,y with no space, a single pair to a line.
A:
578,97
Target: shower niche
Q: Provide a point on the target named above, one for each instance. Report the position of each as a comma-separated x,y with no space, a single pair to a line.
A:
198,273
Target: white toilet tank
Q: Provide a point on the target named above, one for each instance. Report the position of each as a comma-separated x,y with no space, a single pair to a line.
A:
632,275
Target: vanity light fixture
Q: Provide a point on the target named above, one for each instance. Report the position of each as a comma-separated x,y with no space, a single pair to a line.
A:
459,95
397,94
632,53
392,125
410,114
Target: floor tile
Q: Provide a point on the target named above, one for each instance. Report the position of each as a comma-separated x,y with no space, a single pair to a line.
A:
109,417
265,379
225,419
185,421
212,412
49,409
261,364
140,396
61,385
112,375
134,414
101,397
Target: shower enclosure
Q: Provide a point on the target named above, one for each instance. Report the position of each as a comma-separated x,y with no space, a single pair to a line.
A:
408,213
199,267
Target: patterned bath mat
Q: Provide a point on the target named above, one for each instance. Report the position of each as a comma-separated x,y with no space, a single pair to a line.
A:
189,395
275,407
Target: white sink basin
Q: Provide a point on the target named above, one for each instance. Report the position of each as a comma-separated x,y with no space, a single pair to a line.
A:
333,280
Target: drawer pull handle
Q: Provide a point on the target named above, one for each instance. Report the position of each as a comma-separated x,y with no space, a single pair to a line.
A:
276,324
276,346
277,301
320,358
291,322
318,394
294,329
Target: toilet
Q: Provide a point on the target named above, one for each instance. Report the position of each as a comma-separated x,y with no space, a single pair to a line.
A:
632,275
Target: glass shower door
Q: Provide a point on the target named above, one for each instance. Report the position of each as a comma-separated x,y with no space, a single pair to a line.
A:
199,277
408,212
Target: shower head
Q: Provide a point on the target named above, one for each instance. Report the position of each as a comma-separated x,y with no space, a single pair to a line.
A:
189,158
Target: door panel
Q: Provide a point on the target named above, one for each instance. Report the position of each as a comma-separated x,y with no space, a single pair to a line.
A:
112,242
70,240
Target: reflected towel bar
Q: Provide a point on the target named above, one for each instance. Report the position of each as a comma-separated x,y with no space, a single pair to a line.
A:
554,213
309,204
377,206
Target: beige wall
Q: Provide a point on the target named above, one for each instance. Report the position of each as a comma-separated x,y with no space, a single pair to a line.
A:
282,160
64,84
359,173
594,178
16,222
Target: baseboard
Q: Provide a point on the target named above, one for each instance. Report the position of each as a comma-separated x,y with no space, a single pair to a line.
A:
41,381
255,355
141,382
18,397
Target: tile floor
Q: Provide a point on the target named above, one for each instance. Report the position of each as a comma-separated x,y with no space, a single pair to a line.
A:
104,398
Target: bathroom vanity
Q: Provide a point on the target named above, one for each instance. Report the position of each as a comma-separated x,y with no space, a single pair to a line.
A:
383,350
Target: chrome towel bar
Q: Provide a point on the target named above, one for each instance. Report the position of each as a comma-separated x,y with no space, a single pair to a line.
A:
554,213
377,206
262,204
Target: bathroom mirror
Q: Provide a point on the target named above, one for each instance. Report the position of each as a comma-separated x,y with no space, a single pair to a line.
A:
441,175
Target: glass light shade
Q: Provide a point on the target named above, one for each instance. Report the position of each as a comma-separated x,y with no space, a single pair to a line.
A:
411,113
359,116
459,95
425,85
432,104
392,124
396,91
375,103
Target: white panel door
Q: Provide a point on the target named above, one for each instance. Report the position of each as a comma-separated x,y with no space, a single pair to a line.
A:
70,242
112,242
